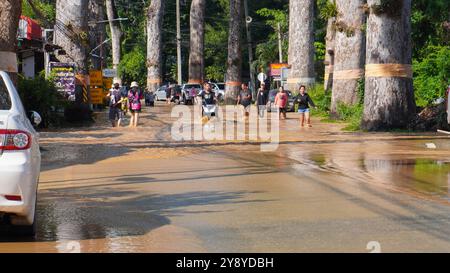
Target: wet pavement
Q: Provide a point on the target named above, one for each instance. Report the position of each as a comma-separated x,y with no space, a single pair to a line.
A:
323,190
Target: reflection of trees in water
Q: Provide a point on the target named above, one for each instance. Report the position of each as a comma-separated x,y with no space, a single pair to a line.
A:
5,100
422,175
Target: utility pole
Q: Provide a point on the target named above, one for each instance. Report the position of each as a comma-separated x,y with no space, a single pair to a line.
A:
180,75
280,43
250,47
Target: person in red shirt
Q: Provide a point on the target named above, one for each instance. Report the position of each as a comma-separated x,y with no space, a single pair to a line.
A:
281,101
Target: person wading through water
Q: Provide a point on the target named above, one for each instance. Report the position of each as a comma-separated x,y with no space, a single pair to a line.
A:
115,104
281,101
245,98
304,104
261,100
135,96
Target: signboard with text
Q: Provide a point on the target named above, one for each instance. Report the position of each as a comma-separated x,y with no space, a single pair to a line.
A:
109,73
64,77
275,69
97,95
96,78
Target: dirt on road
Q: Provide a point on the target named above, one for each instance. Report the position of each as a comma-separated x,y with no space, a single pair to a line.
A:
322,190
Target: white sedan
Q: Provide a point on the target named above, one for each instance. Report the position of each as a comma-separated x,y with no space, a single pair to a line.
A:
20,161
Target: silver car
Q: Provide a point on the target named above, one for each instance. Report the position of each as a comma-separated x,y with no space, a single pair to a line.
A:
161,93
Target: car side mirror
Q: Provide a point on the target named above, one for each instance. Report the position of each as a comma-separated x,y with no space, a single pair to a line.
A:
35,118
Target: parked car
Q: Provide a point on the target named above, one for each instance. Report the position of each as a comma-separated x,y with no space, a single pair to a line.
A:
271,105
219,88
161,93
20,160
176,96
186,96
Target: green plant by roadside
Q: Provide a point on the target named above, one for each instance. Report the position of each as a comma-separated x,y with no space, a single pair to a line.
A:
431,74
40,95
351,114
322,100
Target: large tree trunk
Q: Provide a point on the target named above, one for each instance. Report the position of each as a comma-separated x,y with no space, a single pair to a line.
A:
97,32
116,35
350,52
10,11
196,57
72,32
389,98
301,43
154,44
329,54
234,61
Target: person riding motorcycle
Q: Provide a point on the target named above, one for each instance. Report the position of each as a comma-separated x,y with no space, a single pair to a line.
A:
208,99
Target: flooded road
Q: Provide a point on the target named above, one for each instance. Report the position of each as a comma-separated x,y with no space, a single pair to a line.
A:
323,190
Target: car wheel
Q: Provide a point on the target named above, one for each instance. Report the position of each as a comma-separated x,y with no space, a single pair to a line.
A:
27,231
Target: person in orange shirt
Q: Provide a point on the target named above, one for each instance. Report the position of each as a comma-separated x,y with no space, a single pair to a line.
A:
281,101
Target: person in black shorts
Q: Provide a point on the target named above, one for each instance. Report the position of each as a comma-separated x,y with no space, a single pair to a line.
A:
304,104
245,98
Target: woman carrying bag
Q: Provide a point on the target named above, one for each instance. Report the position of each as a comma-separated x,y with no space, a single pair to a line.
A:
135,96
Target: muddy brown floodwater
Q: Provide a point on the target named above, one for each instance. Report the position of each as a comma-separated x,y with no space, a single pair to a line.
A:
323,190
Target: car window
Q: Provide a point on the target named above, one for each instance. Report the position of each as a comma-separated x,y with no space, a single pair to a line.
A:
5,99
221,86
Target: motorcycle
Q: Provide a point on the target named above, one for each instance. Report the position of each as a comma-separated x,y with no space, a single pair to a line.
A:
209,110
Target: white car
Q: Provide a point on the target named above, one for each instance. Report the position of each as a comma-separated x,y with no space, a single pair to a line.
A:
20,161
219,88
161,94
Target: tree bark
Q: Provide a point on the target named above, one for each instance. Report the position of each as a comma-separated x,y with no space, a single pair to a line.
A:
329,54
155,14
10,11
389,98
72,32
350,50
301,43
97,32
196,57
116,35
234,61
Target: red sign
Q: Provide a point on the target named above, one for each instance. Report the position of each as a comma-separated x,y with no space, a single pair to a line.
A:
275,69
29,29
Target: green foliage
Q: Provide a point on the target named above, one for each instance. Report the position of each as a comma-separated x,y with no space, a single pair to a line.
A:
40,95
322,100
429,18
268,52
216,39
431,74
275,17
215,73
46,8
320,51
351,114
133,66
361,90
327,9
